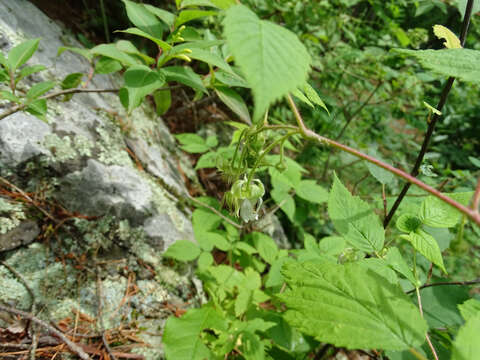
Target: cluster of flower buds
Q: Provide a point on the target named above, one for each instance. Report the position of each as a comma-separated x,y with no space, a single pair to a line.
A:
246,199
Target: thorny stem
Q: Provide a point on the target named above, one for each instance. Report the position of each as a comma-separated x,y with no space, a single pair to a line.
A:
432,123
308,134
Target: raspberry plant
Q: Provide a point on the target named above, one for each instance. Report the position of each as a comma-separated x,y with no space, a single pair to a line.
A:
266,302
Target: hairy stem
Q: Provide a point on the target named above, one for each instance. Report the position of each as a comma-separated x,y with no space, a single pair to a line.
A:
308,134
476,197
433,122
266,151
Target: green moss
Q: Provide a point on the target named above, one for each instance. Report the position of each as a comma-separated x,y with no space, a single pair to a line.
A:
60,148
11,214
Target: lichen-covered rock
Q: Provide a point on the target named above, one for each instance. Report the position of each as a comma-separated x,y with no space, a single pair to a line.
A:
110,185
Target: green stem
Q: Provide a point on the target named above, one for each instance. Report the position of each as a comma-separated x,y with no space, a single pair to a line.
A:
104,19
266,151
237,147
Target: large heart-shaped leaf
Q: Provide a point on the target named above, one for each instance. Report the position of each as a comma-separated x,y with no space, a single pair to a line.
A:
272,58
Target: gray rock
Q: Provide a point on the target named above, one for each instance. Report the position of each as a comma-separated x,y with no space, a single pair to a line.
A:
21,137
156,160
160,229
84,167
99,189
23,234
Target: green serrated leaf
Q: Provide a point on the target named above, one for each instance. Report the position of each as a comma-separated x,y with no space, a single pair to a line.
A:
184,75
313,96
20,54
408,223
192,143
383,176
463,64
466,345
234,101
350,306
469,309
310,191
181,337
272,58
252,347
396,261
142,18
189,15
267,248
283,199
39,89
426,245
182,250
462,6
353,218
331,245
437,213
